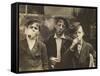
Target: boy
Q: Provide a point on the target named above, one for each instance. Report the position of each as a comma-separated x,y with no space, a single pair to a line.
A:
32,51
81,53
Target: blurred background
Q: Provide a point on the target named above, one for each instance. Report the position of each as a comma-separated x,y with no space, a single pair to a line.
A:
87,17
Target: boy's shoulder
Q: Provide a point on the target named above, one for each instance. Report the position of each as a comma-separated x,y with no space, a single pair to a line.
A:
41,43
88,44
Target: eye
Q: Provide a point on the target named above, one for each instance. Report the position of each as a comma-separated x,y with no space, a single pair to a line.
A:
59,25
79,32
63,26
31,27
35,28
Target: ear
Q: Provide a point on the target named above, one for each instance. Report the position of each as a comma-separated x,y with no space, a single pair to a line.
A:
25,32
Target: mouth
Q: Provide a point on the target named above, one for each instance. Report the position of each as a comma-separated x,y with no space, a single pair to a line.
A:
60,32
29,36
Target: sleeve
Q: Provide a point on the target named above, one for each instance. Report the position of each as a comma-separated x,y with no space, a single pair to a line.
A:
44,57
67,59
49,52
92,54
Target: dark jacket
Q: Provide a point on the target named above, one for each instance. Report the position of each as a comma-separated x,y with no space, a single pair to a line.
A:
52,50
37,60
76,60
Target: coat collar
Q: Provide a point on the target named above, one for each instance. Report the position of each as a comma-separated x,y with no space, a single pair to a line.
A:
62,36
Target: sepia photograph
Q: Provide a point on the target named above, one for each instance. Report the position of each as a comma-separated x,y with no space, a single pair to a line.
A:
54,37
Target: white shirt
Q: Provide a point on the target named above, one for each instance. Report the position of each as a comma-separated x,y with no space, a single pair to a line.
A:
58,44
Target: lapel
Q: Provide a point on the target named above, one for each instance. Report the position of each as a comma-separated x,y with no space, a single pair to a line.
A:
82,56
83,52
53,46
63,46
77,55
25,46
27,51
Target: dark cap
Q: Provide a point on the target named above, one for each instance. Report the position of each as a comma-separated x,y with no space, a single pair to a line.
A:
29,20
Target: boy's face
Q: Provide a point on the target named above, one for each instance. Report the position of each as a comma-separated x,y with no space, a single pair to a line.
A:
32,31
79,33
60,27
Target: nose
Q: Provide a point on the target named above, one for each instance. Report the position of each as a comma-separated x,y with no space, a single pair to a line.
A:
33,30
61,26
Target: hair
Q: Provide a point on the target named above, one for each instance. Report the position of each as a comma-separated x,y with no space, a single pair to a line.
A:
57,19
75,26
29,20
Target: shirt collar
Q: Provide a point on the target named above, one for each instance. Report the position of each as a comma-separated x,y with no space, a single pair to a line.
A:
62,36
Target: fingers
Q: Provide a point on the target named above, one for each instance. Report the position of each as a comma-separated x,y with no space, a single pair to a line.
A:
53,60
75,41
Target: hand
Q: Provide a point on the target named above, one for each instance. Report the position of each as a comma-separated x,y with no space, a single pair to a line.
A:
53,60
75,41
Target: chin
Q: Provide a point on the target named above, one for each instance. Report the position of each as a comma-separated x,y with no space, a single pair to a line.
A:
31,37
60,33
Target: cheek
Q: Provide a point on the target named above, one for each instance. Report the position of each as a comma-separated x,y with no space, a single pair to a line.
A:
74,36
36,32
58,28
63,28
29,32
80,35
